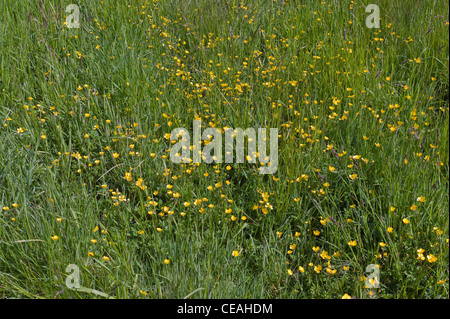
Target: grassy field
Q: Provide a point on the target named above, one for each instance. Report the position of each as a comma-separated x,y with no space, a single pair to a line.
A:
86,176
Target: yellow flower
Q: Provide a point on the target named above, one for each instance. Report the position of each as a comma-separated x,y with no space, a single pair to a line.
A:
331,271
55,238
301,269
128,176
353,176
352,243
431,258
90,254
105,258
421,199
166,261
290,273
382,244
405,221
324,255
235,253
317,268
390,229
279,234
346,296
331,168
115,155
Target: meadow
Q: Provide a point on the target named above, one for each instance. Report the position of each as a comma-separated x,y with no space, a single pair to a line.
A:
86,177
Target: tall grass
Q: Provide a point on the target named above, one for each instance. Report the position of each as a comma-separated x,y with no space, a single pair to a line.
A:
363,149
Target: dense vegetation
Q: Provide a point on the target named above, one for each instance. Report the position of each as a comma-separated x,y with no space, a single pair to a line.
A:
85,171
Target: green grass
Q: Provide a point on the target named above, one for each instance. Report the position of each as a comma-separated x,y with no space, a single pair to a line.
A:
133,71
